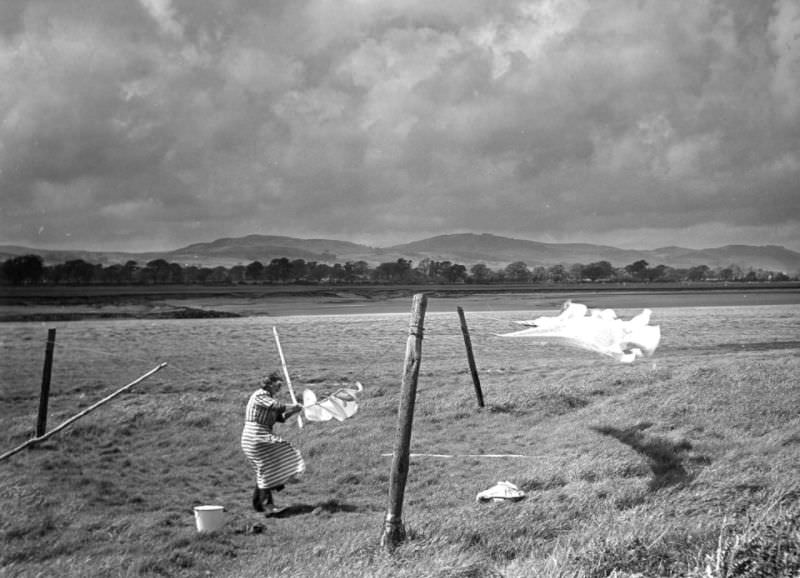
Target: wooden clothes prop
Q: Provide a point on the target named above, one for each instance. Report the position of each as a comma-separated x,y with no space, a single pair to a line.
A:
340,405
286,373
596,330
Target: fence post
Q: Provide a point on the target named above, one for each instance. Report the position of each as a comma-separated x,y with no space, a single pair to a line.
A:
44,397
471,358
393,530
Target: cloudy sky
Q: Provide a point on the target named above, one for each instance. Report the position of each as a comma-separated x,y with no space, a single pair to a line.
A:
152,124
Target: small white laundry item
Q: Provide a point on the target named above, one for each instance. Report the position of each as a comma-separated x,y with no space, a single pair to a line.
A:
340,405
500,492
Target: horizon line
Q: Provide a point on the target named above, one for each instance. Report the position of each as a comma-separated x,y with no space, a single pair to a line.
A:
383,247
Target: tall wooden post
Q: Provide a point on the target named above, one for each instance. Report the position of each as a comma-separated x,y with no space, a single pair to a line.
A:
44,397
393,530
471,358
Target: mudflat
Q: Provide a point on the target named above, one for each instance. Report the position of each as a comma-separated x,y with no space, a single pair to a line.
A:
175,302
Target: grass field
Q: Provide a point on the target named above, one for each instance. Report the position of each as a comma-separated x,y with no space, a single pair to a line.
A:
683,464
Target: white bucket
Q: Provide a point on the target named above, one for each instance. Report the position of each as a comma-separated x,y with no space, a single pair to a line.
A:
209,518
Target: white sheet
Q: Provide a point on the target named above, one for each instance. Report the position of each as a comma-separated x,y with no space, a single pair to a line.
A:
340,405
596,330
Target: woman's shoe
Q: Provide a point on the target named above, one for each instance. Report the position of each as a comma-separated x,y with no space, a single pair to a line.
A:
272,510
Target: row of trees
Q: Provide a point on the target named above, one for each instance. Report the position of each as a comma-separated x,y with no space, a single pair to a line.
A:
31,270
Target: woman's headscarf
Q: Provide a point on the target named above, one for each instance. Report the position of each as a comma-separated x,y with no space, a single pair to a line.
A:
271,381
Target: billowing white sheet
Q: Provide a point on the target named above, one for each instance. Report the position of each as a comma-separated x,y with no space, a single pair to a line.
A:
596,330
340,405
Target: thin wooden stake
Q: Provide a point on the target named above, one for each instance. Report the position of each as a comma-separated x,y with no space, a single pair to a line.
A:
286,374
393,530
76,417
44,397
471,358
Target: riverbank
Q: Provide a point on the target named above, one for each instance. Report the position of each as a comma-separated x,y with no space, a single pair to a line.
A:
41,304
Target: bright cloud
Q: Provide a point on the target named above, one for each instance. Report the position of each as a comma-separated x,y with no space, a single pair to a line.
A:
167,122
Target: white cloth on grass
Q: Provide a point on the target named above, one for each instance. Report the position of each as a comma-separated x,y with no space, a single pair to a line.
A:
500,492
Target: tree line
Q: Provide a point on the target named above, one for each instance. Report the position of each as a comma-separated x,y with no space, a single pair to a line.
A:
31,270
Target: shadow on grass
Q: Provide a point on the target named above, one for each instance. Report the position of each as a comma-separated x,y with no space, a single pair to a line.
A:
507,408
663,455
330,507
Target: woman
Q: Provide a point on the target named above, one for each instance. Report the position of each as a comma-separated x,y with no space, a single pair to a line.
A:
274,460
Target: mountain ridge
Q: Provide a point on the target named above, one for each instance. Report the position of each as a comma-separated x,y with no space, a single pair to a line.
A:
464,248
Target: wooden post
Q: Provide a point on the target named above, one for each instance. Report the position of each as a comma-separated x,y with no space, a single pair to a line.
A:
44,397
471,358
393,530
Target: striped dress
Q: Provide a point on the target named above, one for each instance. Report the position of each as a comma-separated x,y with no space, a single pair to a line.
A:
274,460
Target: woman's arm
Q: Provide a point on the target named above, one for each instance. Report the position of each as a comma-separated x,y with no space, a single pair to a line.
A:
289,410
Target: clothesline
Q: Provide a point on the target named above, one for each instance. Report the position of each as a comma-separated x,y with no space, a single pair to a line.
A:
447,456
435,329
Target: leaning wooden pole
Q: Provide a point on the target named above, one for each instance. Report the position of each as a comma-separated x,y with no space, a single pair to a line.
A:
471,358
286,373
44,397
76,417
393,530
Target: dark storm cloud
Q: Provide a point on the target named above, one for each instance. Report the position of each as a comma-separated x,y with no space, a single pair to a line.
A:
161,122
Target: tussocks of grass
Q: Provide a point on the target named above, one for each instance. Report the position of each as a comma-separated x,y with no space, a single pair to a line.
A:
766,543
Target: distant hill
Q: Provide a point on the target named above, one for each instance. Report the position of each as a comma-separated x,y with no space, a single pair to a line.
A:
264,248
499,251
53,256
767,257
466,248
496,250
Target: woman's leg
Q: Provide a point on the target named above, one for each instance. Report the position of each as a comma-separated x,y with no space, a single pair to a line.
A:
258,506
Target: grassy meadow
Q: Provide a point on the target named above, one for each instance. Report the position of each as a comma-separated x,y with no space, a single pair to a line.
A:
683,464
